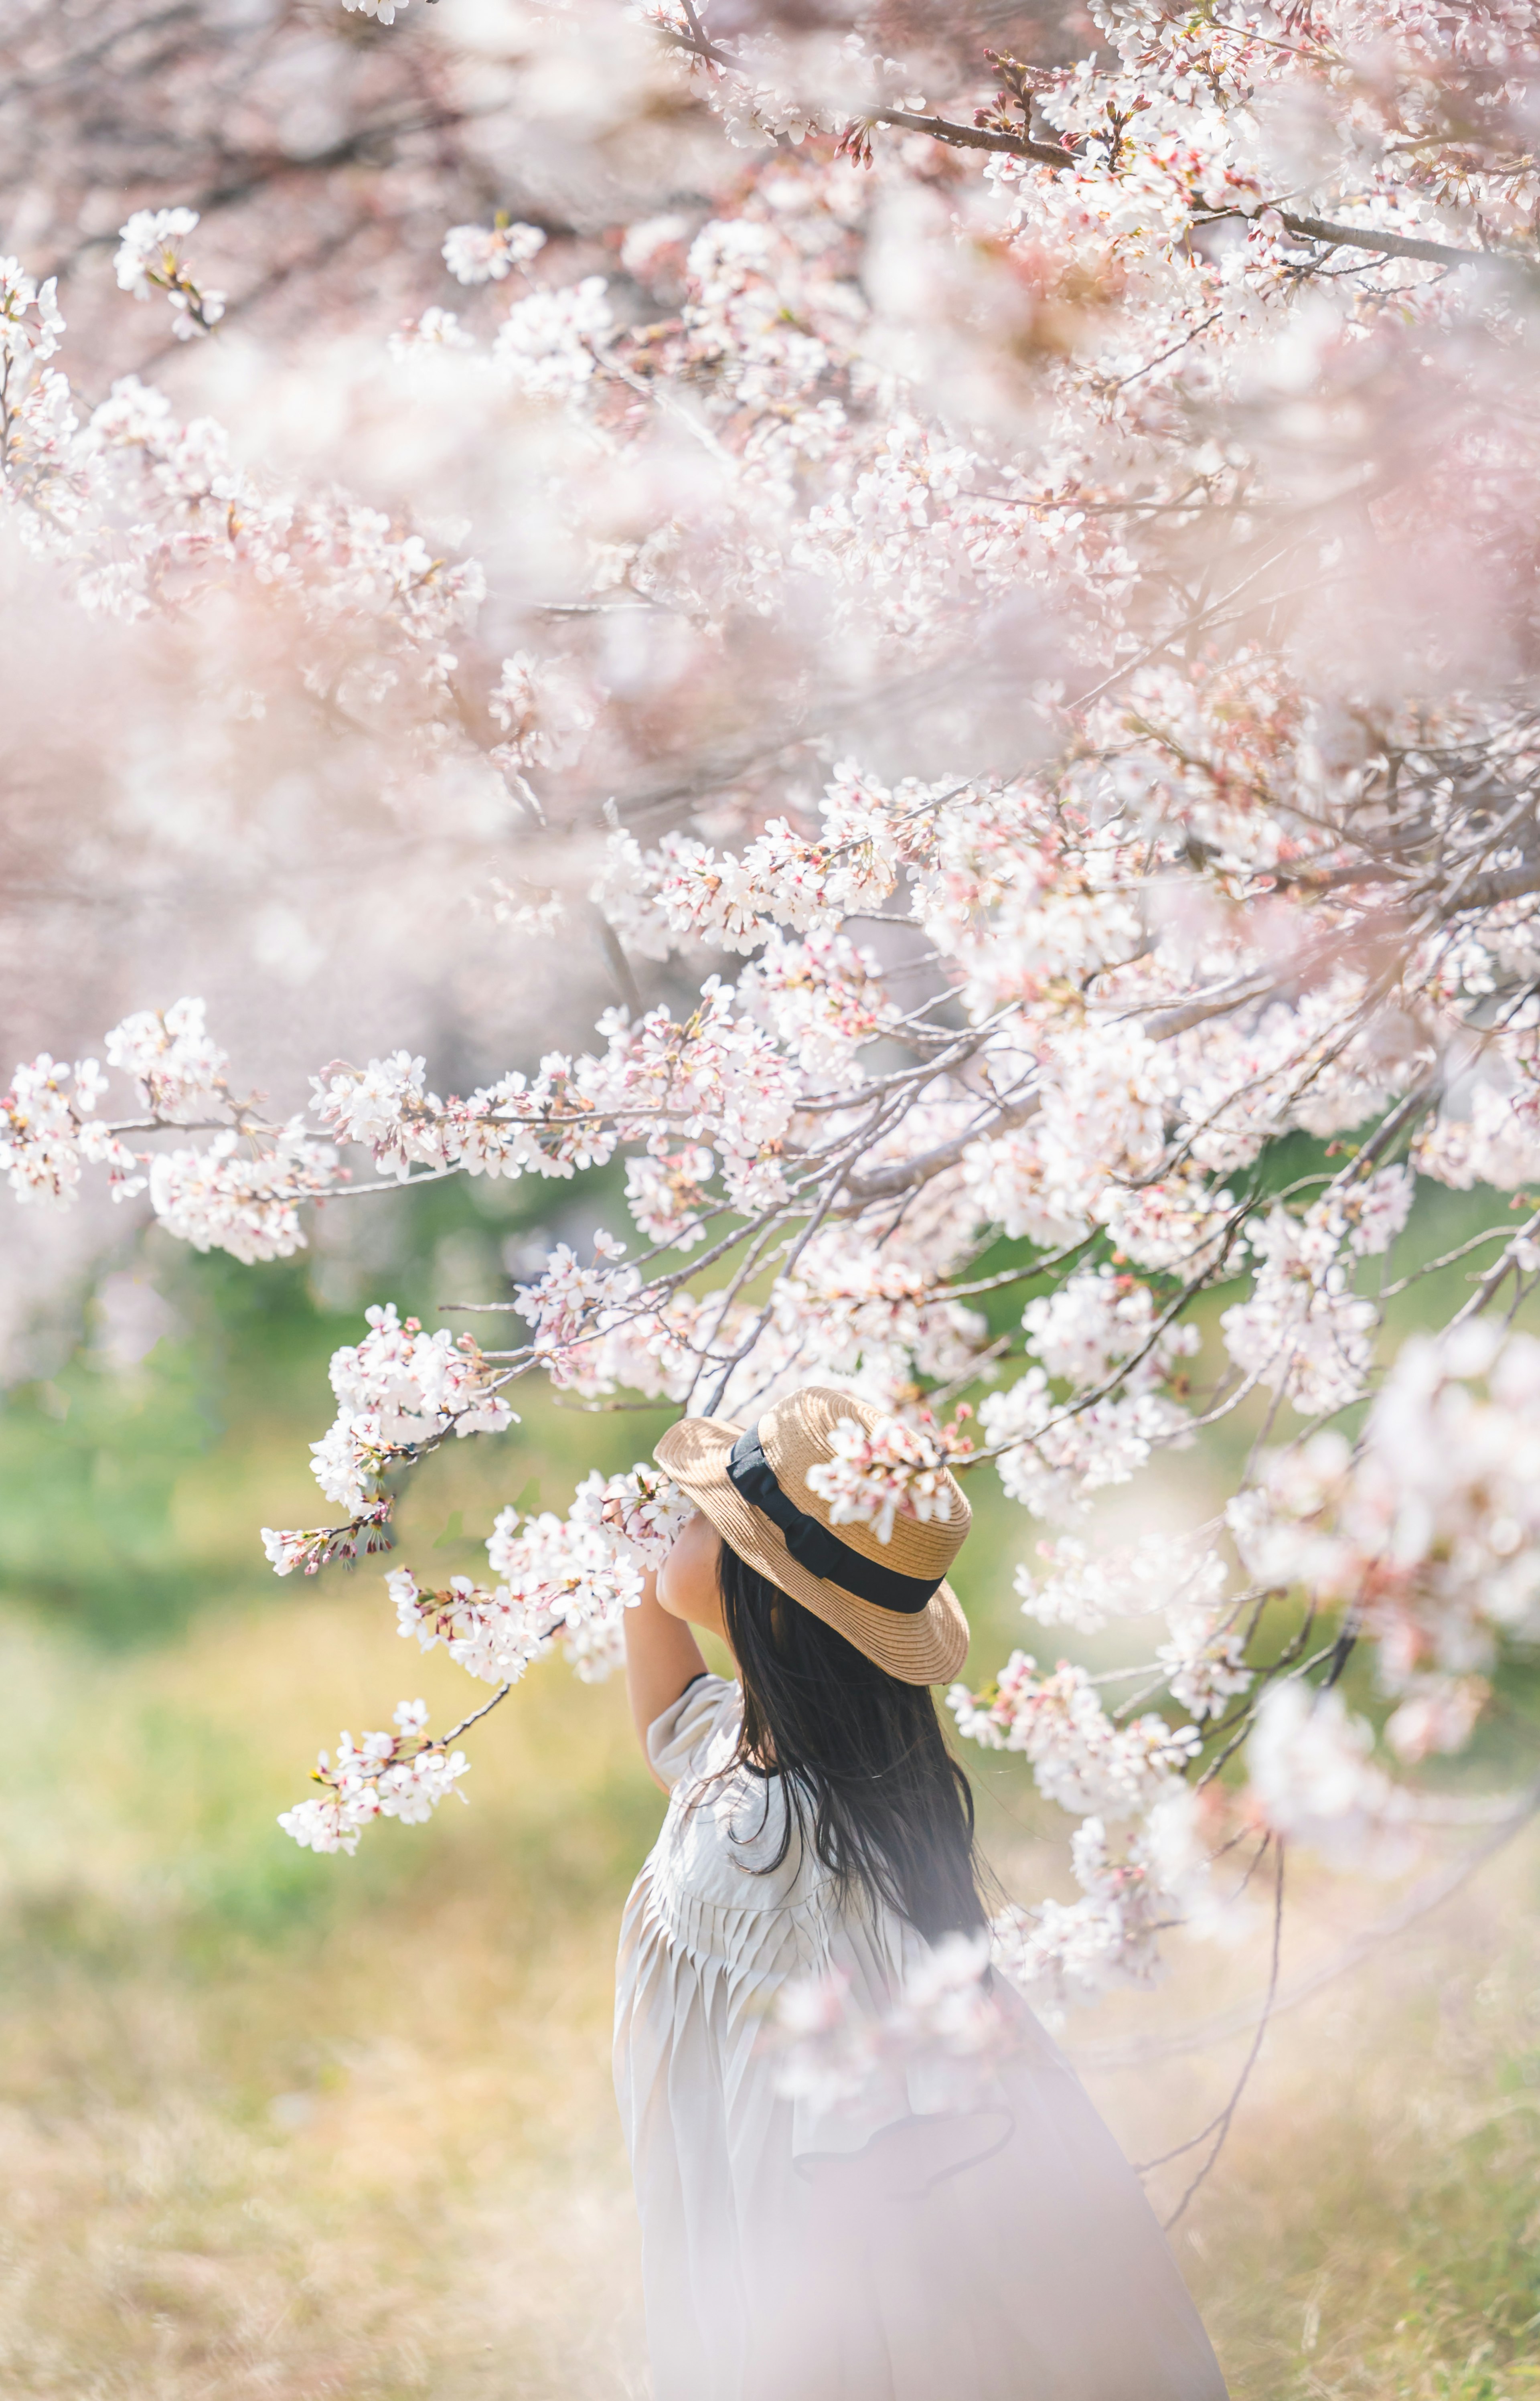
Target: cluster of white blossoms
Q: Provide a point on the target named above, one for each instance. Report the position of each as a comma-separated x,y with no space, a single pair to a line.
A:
1101,1327
399,1775
399,1393
314,1547
146,516
1304,1331
642,1510
544,710
667,1193
1054,1455
944,2024
241,1197
569,1306
1428,1529
1204,1660
30,321
149,255
1086,1590
1061,1953
1313,1781
573,1570
718,1074
821,998
892,1470
561,1578
488,254
549,345
1052,770
1081,1758
47,1131
1099,1334
179,1070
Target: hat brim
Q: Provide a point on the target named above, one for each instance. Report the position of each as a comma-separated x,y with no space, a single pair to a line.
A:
926,1647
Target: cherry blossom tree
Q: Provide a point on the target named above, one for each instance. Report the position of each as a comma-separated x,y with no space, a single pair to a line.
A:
1011,603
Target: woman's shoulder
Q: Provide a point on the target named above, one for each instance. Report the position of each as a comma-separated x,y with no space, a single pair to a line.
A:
725,1839
685,1741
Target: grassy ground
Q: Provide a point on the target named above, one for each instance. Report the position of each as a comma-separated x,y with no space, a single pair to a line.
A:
280,2126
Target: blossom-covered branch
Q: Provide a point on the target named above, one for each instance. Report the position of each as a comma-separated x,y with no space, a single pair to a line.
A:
1032,682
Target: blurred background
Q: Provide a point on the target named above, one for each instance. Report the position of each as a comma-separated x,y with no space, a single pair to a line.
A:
280,2126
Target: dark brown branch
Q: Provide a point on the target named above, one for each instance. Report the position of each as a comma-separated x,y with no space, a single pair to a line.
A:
903,1175
971,137
1503,884
1398,245
455,1732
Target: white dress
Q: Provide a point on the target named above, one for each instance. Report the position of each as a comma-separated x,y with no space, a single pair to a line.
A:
1005,2253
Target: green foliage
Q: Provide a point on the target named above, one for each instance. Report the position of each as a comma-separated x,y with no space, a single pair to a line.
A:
89,1468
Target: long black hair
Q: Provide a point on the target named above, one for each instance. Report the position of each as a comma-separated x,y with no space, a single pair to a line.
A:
866,1774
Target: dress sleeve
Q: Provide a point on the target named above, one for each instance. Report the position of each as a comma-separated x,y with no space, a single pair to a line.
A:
675,1739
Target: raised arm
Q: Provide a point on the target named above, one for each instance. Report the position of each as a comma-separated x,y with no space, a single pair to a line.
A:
662,1656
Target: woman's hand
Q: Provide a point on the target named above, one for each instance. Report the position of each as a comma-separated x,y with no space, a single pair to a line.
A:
662,1656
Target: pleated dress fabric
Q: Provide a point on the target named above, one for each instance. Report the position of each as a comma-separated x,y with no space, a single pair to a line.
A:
905,2249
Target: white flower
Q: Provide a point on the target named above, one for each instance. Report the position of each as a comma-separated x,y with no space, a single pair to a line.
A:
149,253
1080,1757
879,1474
150,243
544,709
398,1389
179,1068
1134,1580
247,1203
285,1550
547,343
1314,1783
437,329
385,1776
944,2026
642,1510
1303,1332
486,253
1204,1661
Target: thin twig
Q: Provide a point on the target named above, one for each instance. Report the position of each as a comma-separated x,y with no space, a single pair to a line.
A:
1227,2114
455,1732
1427,1896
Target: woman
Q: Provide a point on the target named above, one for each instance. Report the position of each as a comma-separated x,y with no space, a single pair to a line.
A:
914,2245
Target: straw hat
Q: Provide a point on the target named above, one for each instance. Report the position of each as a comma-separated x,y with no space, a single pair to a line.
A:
888,1598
